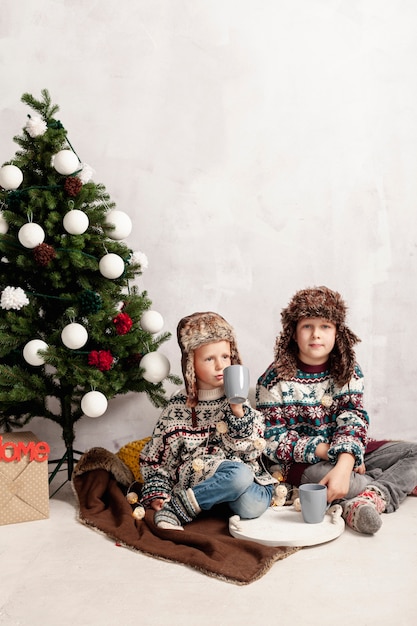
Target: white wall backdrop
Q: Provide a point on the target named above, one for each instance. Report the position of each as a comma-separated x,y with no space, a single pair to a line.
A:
260,147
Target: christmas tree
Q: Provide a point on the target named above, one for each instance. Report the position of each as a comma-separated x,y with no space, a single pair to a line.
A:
74,329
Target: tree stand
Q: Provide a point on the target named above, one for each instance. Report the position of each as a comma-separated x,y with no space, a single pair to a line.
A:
69,459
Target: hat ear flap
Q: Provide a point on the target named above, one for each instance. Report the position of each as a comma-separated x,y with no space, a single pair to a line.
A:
190,380
286,351
234,354
343,359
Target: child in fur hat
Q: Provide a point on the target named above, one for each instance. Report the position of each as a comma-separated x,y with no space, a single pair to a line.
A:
316,425
205,451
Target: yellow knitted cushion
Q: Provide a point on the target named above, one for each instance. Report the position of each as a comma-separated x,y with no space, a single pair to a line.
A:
129,454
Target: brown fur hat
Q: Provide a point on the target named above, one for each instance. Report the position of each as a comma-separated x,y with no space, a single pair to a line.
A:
194,331
316,302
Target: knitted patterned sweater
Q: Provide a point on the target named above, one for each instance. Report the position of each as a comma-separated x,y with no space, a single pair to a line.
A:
181,454
309,409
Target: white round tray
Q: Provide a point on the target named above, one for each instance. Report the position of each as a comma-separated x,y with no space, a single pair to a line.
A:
284,526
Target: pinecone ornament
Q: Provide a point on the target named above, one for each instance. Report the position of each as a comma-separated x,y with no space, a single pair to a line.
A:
44,254
72,186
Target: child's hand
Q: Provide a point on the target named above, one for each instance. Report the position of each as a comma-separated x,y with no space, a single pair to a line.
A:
338,479
337,484
237,410
361,469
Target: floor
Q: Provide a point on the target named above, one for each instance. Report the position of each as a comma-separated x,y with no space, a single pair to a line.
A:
57,571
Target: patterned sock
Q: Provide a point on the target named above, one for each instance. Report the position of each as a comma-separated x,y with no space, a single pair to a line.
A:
182,508
363,513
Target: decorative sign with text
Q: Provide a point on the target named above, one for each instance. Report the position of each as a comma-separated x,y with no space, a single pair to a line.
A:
24,479
13,451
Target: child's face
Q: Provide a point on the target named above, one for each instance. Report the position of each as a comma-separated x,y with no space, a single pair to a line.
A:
209,363
315,337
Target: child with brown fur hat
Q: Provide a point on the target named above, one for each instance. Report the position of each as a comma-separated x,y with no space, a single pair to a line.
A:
205,451
316,425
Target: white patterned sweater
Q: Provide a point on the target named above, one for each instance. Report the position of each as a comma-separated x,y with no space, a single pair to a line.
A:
183,455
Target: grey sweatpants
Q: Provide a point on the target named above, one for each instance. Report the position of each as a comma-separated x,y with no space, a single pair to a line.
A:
392,468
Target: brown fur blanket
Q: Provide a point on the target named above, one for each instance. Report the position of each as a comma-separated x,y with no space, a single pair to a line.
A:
100,481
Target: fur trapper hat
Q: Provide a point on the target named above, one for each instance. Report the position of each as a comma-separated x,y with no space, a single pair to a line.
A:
194,331
316,302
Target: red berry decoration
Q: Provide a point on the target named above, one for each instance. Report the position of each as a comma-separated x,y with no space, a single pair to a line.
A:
123,323
102,359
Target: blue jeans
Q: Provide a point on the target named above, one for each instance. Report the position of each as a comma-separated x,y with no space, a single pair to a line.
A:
392,468
233,483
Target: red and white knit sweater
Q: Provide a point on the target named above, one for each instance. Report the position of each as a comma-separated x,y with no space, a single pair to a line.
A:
309,409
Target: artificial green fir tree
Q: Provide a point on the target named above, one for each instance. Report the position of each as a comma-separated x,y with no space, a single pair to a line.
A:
74,329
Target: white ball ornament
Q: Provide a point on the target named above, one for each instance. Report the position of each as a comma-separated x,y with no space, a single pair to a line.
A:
151,322
138,512
4,226
94,404
30,352
111,265
11,177
74,336
132,497
31,235
156,367
75,222
121,222
66,162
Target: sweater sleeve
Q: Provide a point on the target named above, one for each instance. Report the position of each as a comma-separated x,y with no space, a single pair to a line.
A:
351,421
156,459
244,436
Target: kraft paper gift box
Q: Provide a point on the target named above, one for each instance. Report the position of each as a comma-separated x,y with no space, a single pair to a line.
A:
24,489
